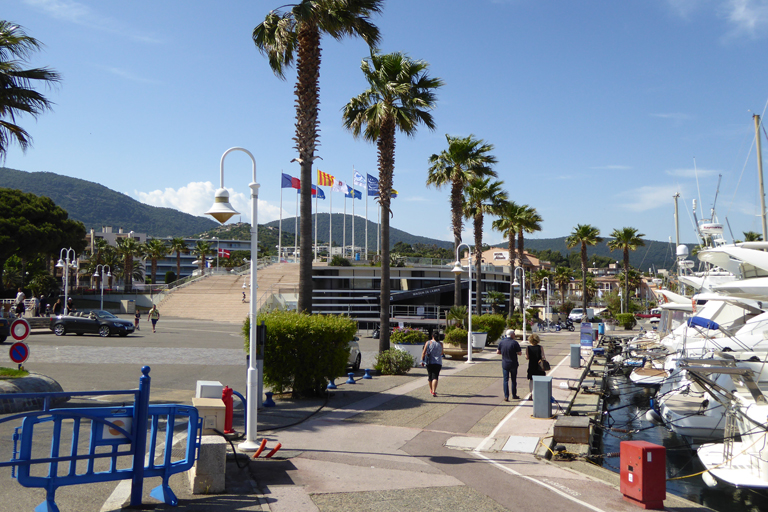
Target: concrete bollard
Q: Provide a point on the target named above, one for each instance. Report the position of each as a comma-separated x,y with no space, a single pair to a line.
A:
575,356
542,396
208,475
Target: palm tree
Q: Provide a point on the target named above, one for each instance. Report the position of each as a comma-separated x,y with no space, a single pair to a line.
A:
178,245
584,235
128,248
626,239
508,223
17,97
399,97
202,249
481,197
751,236
298,28
562,278
494,299
155,249
530,221
465,159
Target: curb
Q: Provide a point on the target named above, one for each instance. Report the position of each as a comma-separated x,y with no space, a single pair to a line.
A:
32,383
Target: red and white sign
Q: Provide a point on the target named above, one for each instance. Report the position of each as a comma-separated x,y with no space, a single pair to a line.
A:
19,329
224,253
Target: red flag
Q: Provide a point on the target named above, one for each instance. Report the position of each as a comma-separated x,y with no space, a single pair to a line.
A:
224,253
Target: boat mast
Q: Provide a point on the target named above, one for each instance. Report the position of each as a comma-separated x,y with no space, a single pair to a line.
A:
760,175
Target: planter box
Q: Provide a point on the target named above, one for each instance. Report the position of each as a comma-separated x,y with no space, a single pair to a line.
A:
478,339
414,350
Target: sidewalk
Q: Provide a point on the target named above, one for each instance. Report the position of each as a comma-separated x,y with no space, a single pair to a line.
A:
386,444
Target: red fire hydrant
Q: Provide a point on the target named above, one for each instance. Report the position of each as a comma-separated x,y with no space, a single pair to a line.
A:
226,397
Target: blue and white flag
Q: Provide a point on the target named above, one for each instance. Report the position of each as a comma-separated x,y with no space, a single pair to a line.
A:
359,180
357,194
373,186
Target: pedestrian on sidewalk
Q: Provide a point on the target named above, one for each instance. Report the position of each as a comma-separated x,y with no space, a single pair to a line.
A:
136,318
432,357
534,353
509,349
154,316
20,298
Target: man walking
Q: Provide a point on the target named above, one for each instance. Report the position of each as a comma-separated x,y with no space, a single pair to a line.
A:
509,349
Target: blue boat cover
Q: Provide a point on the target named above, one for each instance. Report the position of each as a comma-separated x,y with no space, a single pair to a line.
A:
697,321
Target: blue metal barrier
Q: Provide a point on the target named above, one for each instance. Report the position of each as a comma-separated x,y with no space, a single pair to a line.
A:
110,429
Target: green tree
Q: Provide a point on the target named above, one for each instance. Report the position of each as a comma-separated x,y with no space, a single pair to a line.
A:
508,223
626,239
154,250
494,299
562,278
179,246
298,28
400,96
128,249
465,159
583,235
202,249
751,236
17,96
530,221
481,197
31,226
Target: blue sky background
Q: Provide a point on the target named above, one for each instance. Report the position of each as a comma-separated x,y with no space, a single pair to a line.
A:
596,109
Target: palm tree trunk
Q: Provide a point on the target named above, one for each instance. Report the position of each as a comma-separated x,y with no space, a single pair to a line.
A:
478,261
386,150
584,278
178,265
626,278
456,193
511,248
307,104
521,251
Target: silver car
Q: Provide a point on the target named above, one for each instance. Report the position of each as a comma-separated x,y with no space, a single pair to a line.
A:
354,354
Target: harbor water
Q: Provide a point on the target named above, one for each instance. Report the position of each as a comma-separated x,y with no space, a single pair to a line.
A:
625,420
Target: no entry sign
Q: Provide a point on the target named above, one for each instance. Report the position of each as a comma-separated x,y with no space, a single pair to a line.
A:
19,352
19,329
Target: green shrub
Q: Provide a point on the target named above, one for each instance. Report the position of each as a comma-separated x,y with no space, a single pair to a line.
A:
626,319
515,321
170,277
456,337
303,352
494,325
339,261
408,336
393,362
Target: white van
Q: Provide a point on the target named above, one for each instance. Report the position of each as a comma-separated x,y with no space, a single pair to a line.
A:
577,314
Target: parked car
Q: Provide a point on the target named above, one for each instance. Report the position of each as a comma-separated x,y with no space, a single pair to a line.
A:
5,329
97,321
354,354
577,315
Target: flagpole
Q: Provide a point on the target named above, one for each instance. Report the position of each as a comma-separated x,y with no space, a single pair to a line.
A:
330,223
317,193
378,229
280,229
353,211
296,228
344,231
366,219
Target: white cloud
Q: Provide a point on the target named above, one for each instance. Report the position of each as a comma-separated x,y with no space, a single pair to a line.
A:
691,173
746,17
675,116
197,197
648,198
612,168
130,76
81,14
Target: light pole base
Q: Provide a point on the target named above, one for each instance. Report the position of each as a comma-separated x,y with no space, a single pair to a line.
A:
248,446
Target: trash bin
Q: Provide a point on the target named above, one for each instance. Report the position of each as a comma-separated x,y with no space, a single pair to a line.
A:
601,328
357,256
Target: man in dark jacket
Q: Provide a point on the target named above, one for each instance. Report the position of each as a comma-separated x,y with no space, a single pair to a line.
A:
509,349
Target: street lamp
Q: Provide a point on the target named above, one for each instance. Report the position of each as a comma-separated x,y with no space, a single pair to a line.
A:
543,289
458,269
522,293
222,211
96,274
66,264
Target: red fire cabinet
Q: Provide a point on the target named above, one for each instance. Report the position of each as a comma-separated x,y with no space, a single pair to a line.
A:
643,473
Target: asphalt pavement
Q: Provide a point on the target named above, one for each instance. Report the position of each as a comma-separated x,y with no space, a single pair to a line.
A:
383,444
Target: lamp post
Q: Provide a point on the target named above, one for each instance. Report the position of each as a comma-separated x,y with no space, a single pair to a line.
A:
458,269
217,253
522,293
222,211
96,274
543,289
65,263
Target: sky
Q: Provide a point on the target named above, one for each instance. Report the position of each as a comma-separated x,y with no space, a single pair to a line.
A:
599,111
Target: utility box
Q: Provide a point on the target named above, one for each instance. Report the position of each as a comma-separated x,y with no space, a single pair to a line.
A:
208,389
128,306
212,412
572,430
643,474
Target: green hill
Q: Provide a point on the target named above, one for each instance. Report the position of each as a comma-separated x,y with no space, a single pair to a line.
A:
95,205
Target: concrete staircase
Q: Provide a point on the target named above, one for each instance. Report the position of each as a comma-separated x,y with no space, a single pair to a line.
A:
220,297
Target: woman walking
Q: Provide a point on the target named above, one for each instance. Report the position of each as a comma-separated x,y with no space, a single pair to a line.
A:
432,356
154,316
534,353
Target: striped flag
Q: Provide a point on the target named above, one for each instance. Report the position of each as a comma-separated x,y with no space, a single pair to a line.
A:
324,179
289,181
393,194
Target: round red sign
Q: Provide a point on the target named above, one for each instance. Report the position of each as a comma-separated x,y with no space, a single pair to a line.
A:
19,329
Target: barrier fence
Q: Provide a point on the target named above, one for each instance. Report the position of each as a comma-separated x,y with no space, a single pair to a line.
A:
115,434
